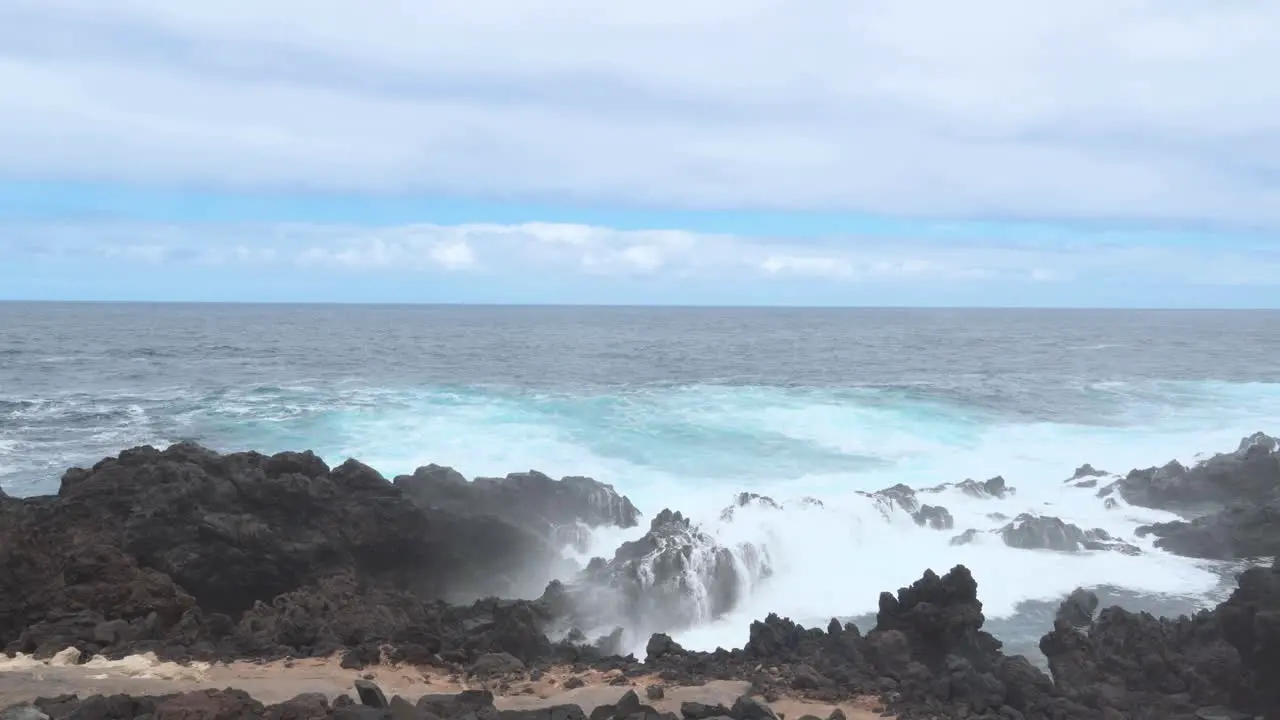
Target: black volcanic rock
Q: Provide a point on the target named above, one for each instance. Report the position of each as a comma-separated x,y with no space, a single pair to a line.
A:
1044,532
1249,474
674,575
745,499
1239,531
1086,471
553,510
191,553
934,516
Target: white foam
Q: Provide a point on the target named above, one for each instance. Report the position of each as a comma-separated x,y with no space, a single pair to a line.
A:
145,666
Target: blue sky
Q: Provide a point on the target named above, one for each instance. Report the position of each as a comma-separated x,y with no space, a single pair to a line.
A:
875,152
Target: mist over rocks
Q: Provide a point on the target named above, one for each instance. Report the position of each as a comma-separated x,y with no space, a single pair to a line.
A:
195,555
1045,532
560,512
673,577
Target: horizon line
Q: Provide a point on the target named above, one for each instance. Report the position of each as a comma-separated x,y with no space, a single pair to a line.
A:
629,306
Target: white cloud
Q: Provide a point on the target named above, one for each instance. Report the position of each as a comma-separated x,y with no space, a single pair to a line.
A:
1139,108
541,248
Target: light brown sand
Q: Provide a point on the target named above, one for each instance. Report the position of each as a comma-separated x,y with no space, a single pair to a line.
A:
25,679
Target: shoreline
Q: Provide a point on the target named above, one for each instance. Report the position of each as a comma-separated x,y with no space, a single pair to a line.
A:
24,681
321,575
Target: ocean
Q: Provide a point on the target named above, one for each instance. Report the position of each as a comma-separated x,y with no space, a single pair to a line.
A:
684,408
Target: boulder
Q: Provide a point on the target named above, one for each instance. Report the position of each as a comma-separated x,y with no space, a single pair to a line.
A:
1237,532
1044,532
1250,474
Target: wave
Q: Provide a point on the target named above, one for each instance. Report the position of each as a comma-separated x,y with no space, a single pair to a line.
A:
693,448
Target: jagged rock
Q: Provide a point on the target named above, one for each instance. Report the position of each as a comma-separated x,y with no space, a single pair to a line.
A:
994,488
898,496
1087,471
965,537
743,500
192,554
661,644
1239,531
934,516
370,694
1078,608
556,511
660,579
1250,474
1044,532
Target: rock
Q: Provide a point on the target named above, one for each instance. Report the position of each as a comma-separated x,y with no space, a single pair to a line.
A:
573,683
1078,608
307,706
964,538
674,576
552,510
467,704
491,664
226,704
23,712
700,711
1236,532
661,644
746,499
1044,532
936,517
655,692
748,708
1249,474
898,496
1087,471
370,694
992,488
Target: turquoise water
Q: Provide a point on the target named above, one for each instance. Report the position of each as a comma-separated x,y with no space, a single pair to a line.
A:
683,409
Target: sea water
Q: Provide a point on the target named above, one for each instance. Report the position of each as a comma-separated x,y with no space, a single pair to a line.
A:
684,408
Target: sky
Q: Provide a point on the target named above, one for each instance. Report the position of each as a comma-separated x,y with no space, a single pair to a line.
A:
731,152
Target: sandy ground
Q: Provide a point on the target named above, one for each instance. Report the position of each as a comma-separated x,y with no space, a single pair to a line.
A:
23,679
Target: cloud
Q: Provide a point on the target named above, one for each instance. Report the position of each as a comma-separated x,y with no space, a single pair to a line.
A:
569,251
1095,108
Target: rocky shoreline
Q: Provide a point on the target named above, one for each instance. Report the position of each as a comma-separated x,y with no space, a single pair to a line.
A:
198,556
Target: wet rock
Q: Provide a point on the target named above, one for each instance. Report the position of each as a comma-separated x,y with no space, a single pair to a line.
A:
1044,532
992,488
1237,532
550,509
747,499
898,496
1087,471
1078,608
1249,474
934,516
674,576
